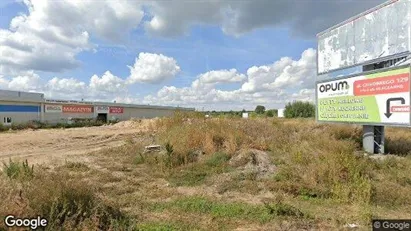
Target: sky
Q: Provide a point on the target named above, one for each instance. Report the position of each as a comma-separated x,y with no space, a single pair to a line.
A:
206,54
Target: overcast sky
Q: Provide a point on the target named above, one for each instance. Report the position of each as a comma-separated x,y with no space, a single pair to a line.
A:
211,54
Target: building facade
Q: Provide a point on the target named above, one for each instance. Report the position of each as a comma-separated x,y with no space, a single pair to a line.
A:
20,107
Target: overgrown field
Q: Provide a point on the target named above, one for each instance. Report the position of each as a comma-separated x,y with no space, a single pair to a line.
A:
220,174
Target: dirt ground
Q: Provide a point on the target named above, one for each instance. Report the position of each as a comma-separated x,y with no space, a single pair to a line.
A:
56,145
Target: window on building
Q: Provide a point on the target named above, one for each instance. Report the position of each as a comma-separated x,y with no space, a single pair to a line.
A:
7,120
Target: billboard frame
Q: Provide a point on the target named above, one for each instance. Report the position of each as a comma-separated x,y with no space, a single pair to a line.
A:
355,75
352,19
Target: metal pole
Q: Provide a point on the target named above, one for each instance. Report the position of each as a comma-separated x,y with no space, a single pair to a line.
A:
368,138
373,137
42,112
379,135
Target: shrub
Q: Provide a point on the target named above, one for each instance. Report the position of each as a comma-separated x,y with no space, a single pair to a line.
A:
3,128
19,170
299,109
271,113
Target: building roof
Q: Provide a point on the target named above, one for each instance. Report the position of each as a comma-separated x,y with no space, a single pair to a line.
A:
32,97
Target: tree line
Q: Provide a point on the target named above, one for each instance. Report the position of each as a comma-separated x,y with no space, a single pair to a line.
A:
296,109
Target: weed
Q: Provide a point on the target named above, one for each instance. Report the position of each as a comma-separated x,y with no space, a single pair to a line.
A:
140,159
67,203
188,177
236,210
217,159
16,170
76,166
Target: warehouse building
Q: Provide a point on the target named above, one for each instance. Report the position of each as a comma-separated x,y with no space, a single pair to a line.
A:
20,107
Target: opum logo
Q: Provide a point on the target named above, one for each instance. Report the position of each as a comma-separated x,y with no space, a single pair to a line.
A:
337,86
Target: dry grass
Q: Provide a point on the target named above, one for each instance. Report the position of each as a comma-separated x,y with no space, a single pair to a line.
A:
318,182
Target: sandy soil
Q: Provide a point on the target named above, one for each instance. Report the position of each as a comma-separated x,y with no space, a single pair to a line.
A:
46,145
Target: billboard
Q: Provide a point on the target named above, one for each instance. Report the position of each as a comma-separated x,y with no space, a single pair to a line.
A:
101,109
116,110
376,35
77,109
379,97
50,108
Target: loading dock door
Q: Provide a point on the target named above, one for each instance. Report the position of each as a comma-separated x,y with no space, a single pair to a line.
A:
102,117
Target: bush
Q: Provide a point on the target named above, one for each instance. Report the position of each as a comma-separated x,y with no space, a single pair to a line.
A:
3,128
16,170
271,113
299,109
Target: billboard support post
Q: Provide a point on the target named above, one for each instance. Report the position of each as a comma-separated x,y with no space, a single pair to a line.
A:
368,138
373,136
379,134
373,139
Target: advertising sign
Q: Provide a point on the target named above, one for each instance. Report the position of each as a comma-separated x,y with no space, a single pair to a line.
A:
102,109
116,110
50,108
375,98
77,109
378,34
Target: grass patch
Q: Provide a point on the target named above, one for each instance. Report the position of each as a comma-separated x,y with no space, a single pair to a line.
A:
197,173
242,211
65,202
76,166
217,159
166,226
188,177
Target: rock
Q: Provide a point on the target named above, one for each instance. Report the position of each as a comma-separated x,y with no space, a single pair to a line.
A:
152,148
253,160
352,226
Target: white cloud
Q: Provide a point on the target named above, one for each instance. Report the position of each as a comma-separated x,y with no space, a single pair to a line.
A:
222,76
272,85
27,82
283,73
106,87
304,95
65,88
209,79
107,83
152,68
4,83
50,36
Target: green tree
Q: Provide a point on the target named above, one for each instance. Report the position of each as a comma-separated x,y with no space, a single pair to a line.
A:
299,109
271,113
260,109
